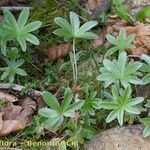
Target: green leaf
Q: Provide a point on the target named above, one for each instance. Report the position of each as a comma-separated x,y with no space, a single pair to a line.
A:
111,51
120,117
87,26
136,101
63,24
69,113
127,94
11,78
133,67
122,34
19,62
146,58
112,116
122,61
33,26
111,39
146,131
130,38
75,23
62,33
10,19
76,106
22,43
4,75
145,121
50,122
32,39
3,49
23,17
146,79
132,110
51,101
88,35
109,105
21,72
107,64
68,96
135,80
47,113
143,13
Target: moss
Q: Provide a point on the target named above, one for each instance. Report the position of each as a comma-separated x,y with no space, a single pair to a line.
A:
46,13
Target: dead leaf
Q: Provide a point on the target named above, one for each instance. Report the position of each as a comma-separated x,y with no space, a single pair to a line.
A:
142,40
10,126
14,117
7,97
1,121
28,108
97,42
60,51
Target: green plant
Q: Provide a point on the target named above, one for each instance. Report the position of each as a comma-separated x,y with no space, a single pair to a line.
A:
12,69
121,43
121,103
118,71
56,114
122,11
18,30
73,31
146,122
91,102
146,68
143,13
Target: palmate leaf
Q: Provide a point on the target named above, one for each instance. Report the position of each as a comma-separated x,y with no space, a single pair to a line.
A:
19,29
121,42
73,29
91,103
56,113
118,71
121,103
12,69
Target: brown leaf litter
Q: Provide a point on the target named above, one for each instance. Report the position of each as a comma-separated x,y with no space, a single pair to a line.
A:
14,117
58,52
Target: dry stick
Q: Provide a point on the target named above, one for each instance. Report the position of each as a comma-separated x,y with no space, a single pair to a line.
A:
17,87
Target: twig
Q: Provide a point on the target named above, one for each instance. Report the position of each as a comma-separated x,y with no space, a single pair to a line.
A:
17,87
15,8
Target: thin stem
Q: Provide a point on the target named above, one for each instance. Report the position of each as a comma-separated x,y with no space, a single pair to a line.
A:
75,63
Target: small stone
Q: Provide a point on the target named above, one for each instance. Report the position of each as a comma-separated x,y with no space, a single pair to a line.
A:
120,138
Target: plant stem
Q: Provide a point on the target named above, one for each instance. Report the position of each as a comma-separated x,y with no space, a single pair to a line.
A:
75,69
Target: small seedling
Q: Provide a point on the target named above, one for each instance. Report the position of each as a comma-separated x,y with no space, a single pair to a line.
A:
18,29
121,43
73,31
12,69
57,112
118,71
146,68
121,103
